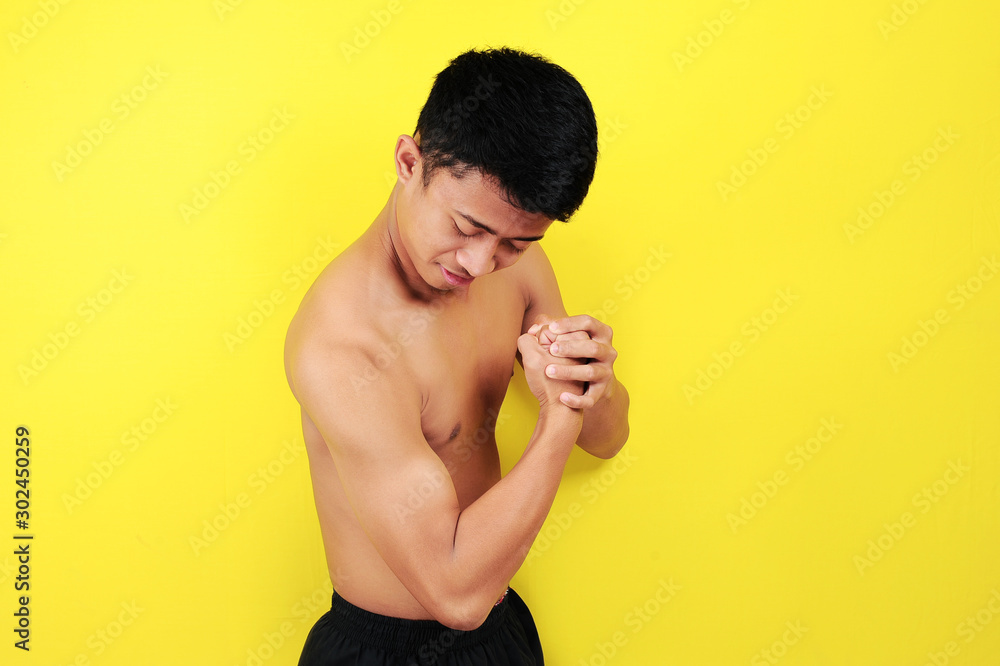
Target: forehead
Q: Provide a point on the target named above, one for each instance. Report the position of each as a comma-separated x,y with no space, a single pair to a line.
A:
480,198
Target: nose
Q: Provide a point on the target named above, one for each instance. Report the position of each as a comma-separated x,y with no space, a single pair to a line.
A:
479,259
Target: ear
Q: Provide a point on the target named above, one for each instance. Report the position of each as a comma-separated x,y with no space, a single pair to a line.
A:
407,158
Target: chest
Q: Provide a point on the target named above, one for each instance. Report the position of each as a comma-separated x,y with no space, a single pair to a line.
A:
463,363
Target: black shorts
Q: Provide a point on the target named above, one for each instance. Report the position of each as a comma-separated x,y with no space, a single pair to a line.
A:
347,634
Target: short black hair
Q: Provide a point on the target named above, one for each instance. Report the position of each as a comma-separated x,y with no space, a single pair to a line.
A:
520,120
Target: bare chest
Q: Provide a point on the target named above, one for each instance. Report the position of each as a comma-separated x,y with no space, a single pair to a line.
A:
463,361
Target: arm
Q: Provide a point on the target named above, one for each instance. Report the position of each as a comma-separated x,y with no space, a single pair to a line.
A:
605,402
456,563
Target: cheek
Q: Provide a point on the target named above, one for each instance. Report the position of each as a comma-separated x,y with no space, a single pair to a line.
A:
429,241
505,260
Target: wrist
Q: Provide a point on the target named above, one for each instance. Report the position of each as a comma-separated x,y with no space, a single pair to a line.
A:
560,418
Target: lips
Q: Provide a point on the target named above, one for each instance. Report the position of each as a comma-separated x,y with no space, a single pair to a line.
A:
454,280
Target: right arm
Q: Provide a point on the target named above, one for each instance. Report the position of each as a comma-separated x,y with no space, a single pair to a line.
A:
456,563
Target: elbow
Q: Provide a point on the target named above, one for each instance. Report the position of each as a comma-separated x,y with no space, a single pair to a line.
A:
463,621
613,447
623,440
463,612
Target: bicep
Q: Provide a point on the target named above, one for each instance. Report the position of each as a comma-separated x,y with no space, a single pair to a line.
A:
540,288
399,489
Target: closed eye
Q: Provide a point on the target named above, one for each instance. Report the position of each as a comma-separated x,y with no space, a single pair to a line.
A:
517,250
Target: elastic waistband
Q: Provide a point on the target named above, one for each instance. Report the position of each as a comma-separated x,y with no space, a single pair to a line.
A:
411,637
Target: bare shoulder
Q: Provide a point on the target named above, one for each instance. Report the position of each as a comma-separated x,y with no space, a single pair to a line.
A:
333,336
534,264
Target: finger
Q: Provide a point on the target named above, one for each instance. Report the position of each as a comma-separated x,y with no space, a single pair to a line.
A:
541,320
577,348
576,401
595,328
574,335
545,336
576,373
527,344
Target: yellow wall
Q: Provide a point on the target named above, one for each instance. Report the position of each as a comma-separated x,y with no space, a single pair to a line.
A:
815,420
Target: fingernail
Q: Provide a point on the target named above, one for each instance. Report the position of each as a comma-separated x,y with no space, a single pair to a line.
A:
554,348
551,370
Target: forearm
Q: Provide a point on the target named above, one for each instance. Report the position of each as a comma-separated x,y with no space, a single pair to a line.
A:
605,425
494,534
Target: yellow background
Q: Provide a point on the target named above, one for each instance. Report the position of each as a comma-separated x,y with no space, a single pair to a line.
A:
894,76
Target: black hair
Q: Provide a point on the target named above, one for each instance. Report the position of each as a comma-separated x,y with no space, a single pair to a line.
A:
520,120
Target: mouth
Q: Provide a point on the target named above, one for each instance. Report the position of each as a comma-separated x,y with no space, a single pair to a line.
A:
455,280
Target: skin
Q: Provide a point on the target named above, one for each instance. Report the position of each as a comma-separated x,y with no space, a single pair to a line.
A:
400,376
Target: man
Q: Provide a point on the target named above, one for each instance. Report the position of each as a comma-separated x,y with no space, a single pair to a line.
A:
400,355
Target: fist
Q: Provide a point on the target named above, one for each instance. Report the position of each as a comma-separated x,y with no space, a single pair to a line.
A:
535,357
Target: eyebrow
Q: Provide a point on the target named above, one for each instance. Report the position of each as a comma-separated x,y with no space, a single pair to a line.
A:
476,223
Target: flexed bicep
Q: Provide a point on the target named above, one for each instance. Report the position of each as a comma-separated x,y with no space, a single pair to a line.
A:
399,489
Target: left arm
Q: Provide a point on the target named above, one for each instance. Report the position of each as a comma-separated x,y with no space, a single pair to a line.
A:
605,401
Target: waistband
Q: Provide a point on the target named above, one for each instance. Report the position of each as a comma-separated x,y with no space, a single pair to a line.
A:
408,637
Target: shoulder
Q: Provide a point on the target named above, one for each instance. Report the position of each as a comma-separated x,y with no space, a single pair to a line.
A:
333,339
535,264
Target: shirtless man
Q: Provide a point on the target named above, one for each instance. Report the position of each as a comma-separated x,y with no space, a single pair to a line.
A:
400,356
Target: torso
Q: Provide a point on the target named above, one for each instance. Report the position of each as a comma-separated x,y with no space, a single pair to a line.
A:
461,357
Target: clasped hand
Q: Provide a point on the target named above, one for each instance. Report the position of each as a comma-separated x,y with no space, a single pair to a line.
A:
580,355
